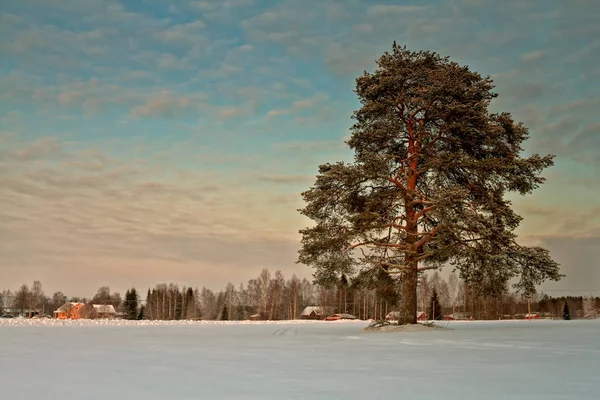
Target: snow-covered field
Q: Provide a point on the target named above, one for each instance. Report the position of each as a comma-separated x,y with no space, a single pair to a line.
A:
297,360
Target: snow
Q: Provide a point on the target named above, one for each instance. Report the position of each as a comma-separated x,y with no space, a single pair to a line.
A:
100,359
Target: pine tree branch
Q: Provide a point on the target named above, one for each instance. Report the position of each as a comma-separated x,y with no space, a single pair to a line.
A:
424,211
428,236
427,268
396,182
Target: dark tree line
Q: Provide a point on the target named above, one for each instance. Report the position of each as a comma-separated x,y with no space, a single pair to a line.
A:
372,294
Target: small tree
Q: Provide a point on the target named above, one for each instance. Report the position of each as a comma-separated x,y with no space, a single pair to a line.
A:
435,308
566,313
131,300
225,313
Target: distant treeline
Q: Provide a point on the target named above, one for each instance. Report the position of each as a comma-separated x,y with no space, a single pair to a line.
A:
271,296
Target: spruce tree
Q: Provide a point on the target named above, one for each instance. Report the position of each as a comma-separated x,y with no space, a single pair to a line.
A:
131,300
566,312
141,313
225,313
435,308
178,305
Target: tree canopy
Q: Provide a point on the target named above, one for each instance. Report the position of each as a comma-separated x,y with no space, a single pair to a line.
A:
432,168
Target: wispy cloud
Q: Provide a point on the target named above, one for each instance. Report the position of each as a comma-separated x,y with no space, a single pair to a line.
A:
533,56
389,10
298,105
164,105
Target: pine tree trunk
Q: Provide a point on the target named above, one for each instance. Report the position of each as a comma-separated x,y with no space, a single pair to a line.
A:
408,299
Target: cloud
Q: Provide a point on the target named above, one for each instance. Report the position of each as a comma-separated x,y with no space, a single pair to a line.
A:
298,105
107,210
208,6
363,28
166,105
139,74
286,179
41,149
12,117
246,109
381,10
223,10
577,258
583,106
182,34
533,56
310,146
165,61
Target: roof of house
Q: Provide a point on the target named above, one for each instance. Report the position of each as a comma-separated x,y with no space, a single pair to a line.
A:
310,309
66,307
104,308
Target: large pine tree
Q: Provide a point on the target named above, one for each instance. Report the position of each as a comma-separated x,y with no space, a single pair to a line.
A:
432,167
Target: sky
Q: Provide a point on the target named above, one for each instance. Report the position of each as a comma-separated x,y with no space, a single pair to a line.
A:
148,141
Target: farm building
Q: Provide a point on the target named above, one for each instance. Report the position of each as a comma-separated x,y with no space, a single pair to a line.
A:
102,311
256,317
69,311
25,312
313,312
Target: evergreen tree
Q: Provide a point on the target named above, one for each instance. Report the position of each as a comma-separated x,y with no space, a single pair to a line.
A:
225,313
150,304
566,313
141,313
178,304
435,308
428,185
190,304
131,300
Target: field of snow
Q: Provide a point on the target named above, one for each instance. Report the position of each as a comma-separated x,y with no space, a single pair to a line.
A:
297,360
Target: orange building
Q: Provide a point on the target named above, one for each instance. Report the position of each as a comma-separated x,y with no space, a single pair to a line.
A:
69,311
